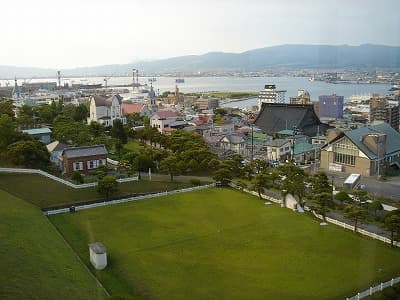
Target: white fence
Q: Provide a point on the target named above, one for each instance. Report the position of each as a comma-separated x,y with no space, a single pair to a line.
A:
359,230
60,180
278,201
128,199
374,289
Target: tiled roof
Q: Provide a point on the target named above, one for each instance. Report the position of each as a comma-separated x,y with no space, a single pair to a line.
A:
235,138
128,108
103,101
164,114
277,143
84,151
392,138
274,117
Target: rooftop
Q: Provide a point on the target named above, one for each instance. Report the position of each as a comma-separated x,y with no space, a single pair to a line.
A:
37,131
84,151
98,248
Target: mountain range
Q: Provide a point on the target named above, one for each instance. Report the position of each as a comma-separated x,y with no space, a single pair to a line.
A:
289,57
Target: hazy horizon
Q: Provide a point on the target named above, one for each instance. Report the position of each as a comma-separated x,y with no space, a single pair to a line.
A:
92,33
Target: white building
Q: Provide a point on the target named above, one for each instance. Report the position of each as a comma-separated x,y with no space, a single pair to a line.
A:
106,110
271,95
98,255
279,149
234,142
166,120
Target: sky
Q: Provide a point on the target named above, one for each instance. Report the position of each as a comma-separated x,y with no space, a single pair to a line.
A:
77,33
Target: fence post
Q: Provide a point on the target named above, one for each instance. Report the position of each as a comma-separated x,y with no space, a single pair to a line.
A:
358,296
381,286
370,291
391,282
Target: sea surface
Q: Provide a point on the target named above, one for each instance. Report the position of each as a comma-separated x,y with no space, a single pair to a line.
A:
239,84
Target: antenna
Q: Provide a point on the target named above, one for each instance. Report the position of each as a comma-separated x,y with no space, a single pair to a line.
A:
59,78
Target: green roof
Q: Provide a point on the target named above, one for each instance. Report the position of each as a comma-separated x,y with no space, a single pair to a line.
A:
304,147
285,132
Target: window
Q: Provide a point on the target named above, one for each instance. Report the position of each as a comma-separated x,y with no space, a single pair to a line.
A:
77,166
345,152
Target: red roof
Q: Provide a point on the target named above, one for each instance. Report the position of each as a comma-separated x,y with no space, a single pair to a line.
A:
164,114
129,108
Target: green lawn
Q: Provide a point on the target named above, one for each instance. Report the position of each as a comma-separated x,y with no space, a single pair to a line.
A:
45,192
35,262
223,244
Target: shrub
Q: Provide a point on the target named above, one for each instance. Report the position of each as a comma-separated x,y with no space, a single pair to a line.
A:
195,181
77,177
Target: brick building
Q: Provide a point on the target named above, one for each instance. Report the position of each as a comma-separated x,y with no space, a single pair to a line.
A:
83,159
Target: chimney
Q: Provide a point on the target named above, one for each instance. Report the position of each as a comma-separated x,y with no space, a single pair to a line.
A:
331,134
375,142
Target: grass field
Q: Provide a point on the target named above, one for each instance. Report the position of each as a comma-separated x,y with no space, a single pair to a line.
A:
35,262
223,244
45,192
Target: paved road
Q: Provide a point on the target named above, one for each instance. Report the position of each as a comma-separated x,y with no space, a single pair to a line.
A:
389,188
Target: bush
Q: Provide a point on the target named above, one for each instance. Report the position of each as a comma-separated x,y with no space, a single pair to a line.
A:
195,181
77,177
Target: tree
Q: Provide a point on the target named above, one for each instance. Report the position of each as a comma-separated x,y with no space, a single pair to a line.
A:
143,162
242,184
31,154
169,166
375,206
223,175
259,183
360,196
319,202
295,181
356,214
118,148
118,131
342,196
107,186
392,223
7,108
8,132
80,113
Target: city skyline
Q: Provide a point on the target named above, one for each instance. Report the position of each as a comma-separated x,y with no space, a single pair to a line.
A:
77,34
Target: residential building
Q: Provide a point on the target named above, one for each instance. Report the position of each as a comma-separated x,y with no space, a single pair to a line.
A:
205,102
271,95
305,152
331,106
83,159
278,149
106,110
365,150
167,120
55,149
236,143
40,134
381,109
274,117
303,97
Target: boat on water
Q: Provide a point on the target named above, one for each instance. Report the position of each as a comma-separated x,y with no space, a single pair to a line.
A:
180,80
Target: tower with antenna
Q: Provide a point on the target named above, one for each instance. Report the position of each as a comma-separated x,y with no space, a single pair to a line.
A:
59,78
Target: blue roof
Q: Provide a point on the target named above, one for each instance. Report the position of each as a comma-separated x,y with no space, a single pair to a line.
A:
392,138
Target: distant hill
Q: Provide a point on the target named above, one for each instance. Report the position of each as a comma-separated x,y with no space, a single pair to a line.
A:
284,56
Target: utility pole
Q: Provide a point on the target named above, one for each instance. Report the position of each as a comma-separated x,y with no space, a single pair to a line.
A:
252,141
